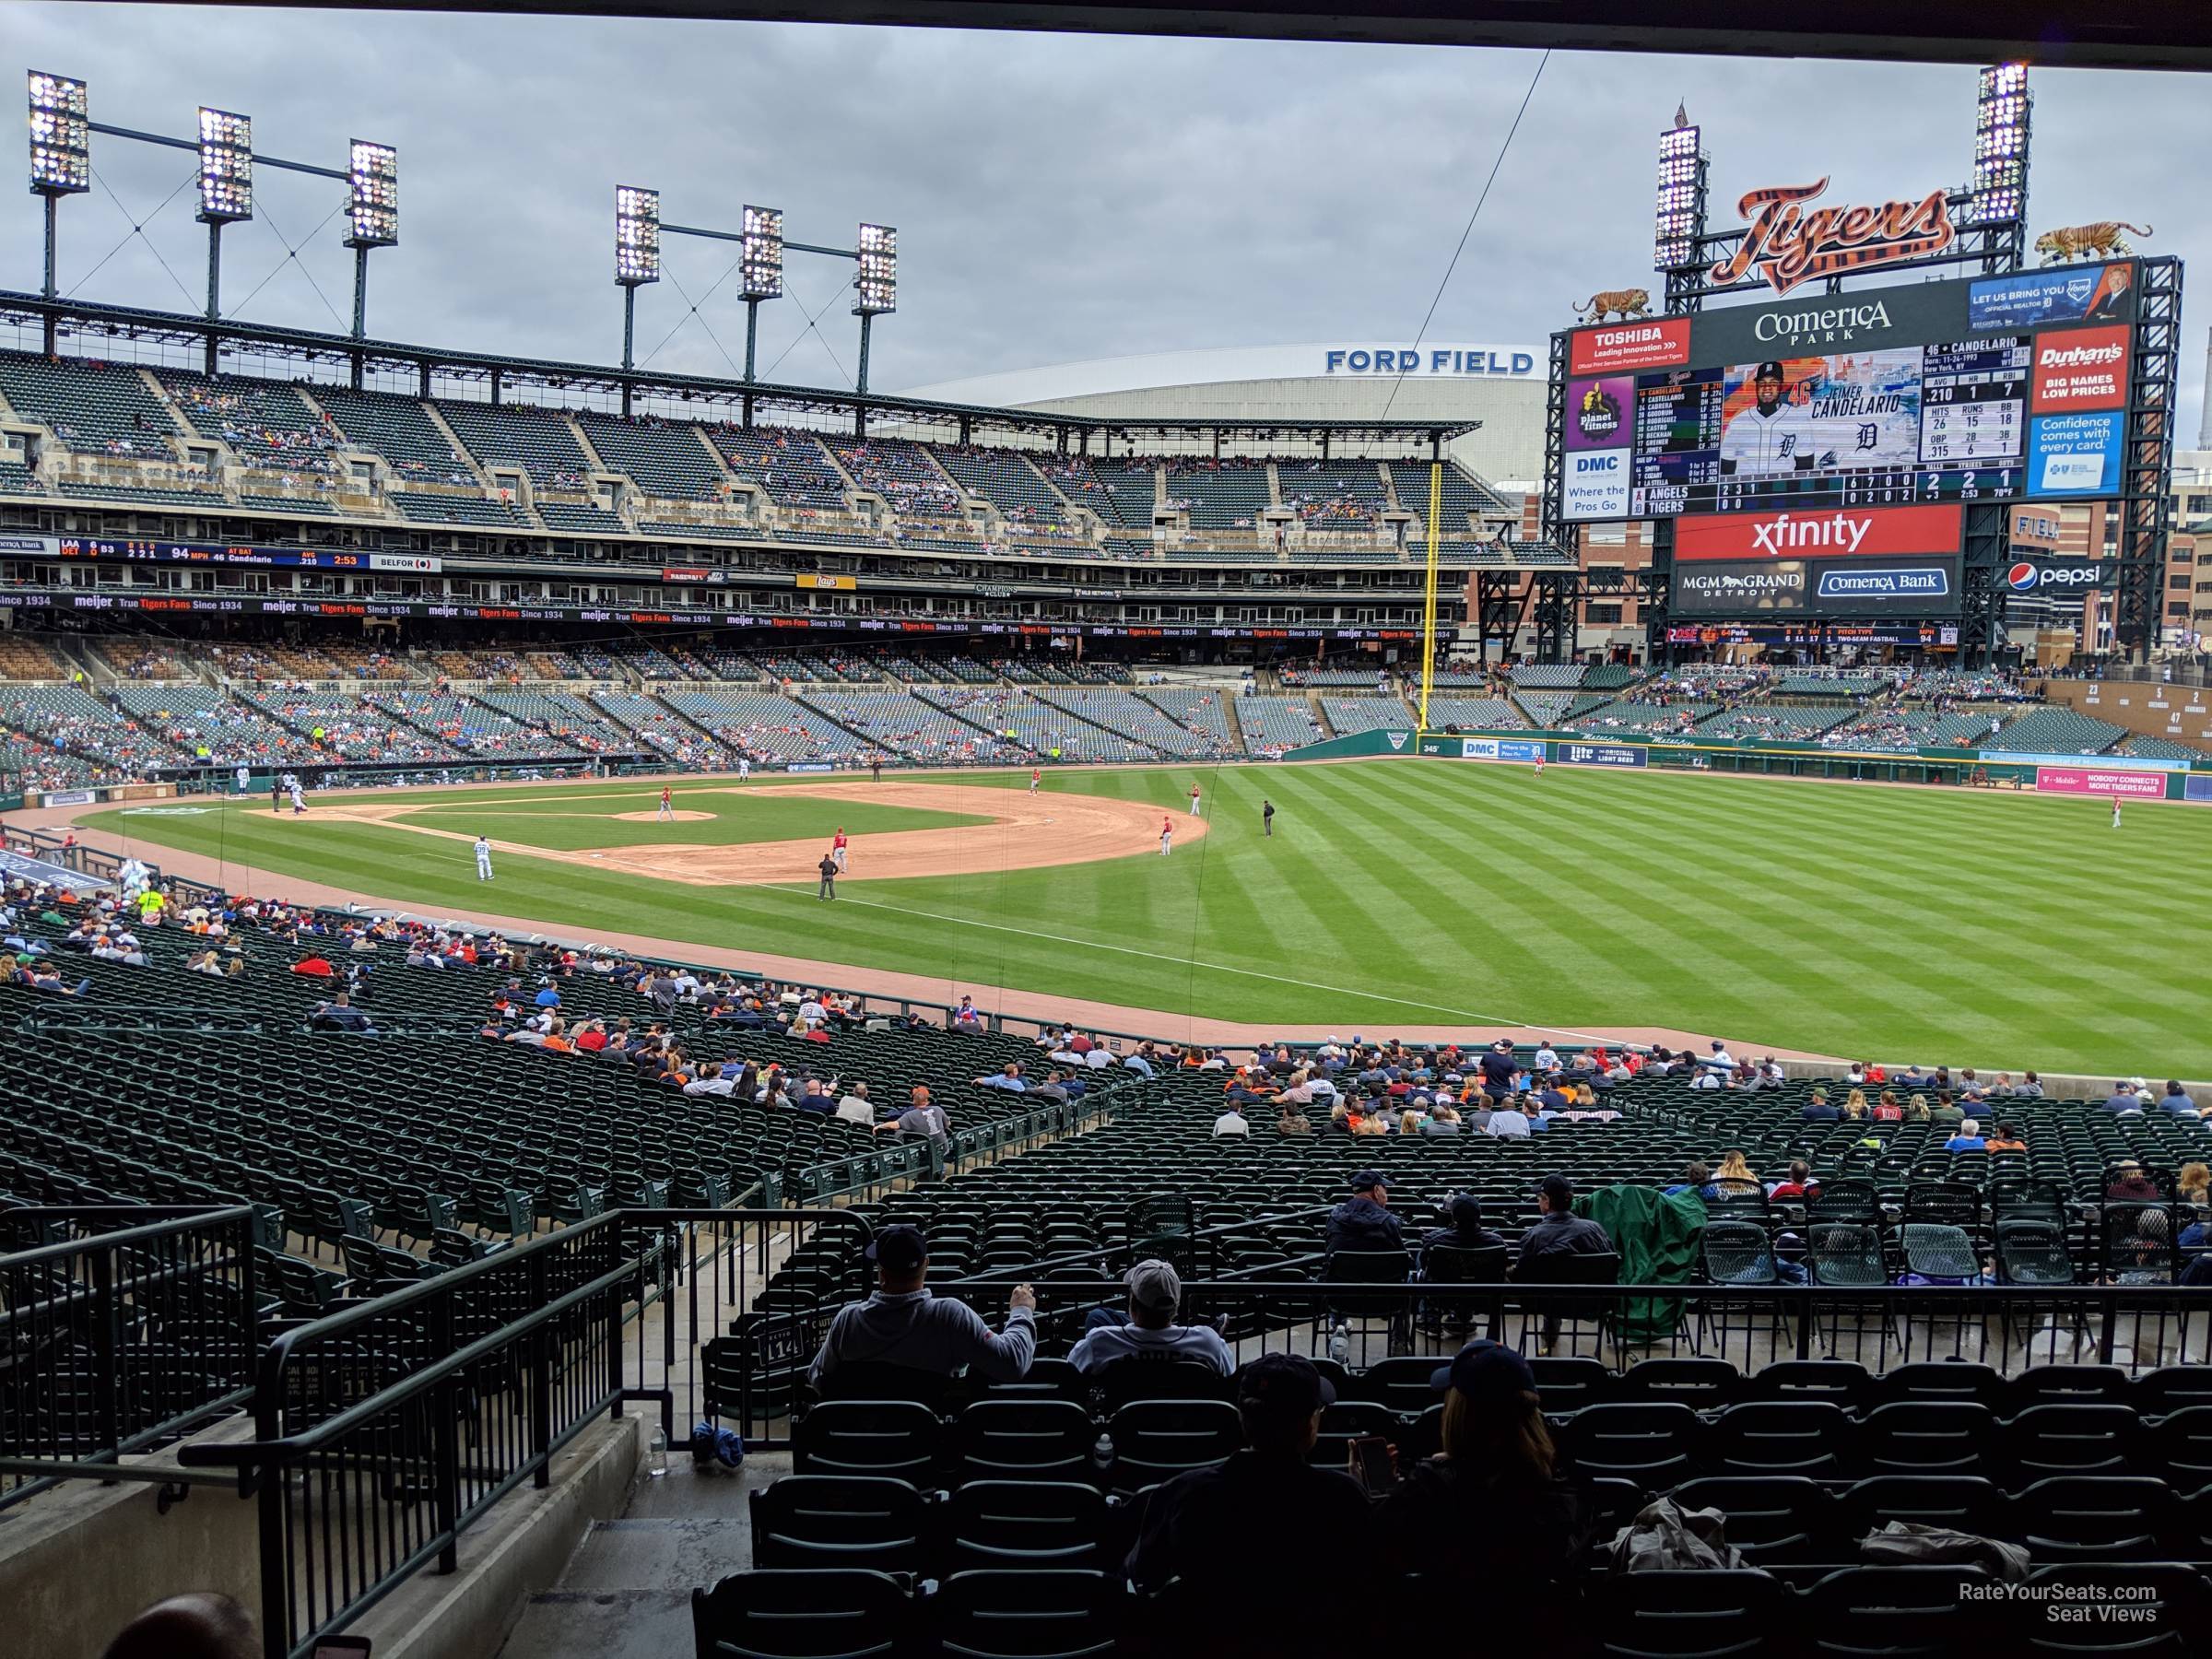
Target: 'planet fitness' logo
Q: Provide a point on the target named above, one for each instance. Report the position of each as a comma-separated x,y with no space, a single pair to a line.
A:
1598,415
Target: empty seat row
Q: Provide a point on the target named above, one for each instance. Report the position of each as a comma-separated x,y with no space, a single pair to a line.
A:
1915,1612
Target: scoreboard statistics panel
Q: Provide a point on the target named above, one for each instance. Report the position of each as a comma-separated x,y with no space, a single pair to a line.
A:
1938,393
1885,428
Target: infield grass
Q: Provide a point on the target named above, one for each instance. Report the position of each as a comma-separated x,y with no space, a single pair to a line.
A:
1969,928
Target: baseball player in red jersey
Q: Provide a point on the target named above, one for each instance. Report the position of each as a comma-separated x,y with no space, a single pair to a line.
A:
1540,763
1193,800
838,851
1036,777
1167,834
668,811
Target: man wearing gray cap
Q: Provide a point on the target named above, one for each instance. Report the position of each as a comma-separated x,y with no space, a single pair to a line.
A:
1154,1290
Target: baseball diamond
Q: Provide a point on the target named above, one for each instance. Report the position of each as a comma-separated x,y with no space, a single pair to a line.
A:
2012,929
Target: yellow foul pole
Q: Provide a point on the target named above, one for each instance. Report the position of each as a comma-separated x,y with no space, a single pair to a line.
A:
1436,511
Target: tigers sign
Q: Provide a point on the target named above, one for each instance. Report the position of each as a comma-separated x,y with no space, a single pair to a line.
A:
1788,245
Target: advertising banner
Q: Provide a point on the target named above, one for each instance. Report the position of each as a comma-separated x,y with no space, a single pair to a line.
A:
2075,454
1816,587
2118,763
1597,485
2039,574
810,766
2080,369
2030,298
1909,315
1661,343
38,546
1602,754
1734,587
1500,748
2197,786
1926,587
1597,412
2098,780
1844,533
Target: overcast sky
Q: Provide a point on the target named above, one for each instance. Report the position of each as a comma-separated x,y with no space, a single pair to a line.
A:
1057,197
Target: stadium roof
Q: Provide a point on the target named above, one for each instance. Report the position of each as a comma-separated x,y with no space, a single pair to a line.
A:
384,357
2121,34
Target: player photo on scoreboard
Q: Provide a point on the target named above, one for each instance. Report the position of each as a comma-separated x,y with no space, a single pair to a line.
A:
1821,414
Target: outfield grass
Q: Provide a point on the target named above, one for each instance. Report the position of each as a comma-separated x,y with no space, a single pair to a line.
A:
1965,927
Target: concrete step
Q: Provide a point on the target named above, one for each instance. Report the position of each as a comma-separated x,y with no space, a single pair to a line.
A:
626,1594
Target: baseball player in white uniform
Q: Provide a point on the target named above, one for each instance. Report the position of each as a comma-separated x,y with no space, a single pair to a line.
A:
298,799
244,778
483,859
1771,437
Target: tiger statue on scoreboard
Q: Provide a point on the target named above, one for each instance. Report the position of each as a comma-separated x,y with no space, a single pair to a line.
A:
2100,241
1628,302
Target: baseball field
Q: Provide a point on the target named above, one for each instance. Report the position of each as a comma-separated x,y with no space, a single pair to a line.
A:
1911,924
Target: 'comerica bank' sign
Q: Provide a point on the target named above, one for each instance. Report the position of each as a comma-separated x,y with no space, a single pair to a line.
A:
1428,360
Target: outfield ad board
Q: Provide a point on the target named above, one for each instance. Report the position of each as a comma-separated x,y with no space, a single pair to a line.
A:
2099,781
1601,754
2197,786
1500,748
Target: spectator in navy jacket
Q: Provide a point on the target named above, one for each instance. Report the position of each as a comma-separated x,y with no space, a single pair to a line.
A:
1362,1222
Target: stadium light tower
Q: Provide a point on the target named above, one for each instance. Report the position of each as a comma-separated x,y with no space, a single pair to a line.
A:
2003,107
225,194
762,269
1680,220
61,158
371,222
637,254
876,289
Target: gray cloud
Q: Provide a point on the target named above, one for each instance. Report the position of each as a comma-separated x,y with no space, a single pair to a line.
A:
1057,196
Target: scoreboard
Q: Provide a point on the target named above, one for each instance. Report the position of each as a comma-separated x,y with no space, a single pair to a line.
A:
1941,394
1943,423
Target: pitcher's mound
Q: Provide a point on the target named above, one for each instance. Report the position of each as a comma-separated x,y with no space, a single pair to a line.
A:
653,814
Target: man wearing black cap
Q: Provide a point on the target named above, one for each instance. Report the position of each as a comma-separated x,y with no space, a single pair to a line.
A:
1770,437
1361,1222
1557,1234
903,1324
1466,1232
1496,1490
1238,1537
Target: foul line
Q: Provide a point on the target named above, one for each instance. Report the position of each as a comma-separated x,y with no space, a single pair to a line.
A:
1156,956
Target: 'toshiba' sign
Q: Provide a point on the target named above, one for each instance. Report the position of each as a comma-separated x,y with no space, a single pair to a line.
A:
1788,245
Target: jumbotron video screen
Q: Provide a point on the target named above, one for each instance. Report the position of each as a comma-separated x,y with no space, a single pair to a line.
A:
1826,428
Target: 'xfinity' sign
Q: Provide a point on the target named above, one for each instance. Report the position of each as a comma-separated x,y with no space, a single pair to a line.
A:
1437,361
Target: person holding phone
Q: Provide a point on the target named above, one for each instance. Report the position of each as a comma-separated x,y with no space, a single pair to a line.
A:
1494,1489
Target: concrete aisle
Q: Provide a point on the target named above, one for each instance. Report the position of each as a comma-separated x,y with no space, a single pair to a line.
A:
627,1591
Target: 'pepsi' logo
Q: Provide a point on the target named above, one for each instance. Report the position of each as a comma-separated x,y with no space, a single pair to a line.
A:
2024,577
